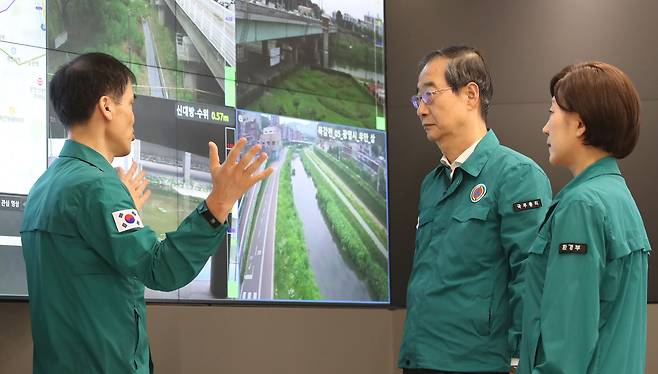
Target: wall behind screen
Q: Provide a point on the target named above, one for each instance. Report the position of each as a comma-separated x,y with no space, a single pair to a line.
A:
525,43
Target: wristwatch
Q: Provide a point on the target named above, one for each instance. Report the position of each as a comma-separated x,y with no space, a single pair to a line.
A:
207,214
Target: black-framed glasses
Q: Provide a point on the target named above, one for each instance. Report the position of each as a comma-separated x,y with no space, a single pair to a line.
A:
426,97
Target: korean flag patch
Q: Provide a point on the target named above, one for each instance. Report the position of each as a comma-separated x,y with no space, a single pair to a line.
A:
127,219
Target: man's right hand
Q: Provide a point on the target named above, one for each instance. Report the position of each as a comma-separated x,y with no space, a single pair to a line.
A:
233,178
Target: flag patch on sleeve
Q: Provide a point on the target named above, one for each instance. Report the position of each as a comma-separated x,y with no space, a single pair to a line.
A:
127,219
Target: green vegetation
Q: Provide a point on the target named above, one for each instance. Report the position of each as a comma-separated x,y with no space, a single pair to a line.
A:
347,49
163,39
183,94
379,180
165,209
369,218
112,27
320,95
354,166
377,228
351,239
293,277
362,189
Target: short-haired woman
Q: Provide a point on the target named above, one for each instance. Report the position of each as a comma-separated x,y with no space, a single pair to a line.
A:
586,275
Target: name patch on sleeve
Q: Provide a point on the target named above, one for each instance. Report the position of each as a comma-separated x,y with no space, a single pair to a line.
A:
575,248
525,205
127,219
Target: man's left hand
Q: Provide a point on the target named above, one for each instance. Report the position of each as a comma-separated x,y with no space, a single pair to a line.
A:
136,184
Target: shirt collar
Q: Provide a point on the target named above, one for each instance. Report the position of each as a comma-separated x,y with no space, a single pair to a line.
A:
606,165
462,157
84,153
474,162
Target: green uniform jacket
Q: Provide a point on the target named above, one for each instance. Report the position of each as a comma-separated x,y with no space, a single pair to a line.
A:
463,298
586,281
86,278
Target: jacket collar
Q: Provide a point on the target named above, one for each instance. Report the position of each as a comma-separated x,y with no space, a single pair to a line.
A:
84,153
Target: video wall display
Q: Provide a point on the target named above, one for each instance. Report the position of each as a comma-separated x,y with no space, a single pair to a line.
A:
304,79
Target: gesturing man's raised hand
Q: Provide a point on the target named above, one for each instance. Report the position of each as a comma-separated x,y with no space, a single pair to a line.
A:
231,179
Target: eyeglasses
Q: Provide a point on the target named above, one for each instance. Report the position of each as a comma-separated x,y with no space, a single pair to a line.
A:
426,97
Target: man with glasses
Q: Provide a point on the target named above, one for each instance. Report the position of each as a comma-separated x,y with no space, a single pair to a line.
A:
479,211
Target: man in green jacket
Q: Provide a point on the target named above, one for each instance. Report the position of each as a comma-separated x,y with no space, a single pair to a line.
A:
87,252
479,212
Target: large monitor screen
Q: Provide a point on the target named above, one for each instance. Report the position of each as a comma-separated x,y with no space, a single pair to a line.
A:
304,79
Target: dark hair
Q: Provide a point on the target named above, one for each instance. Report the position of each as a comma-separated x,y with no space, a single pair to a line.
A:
465,65
78,84
606,101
